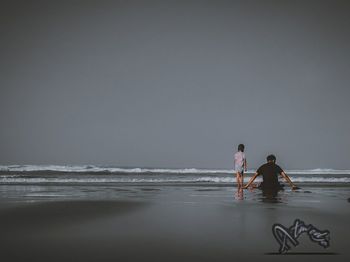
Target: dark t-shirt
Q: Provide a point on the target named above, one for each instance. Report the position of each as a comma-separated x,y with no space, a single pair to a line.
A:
270,172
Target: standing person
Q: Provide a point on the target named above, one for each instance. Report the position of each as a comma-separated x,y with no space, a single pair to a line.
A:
240,165
270,172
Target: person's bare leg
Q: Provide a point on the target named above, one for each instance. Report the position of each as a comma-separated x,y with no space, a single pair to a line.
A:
238,179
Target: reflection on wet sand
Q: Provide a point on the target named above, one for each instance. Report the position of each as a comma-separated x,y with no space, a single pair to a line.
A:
239,195
268,195
271,195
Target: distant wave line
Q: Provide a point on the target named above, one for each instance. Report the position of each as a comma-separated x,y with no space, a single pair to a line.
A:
138,170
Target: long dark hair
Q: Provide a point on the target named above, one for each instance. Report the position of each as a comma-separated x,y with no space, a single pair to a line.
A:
241,147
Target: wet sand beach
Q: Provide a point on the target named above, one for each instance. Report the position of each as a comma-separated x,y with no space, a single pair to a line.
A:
165,223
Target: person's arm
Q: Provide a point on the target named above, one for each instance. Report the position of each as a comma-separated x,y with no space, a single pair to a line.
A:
251,181
289,181
245,165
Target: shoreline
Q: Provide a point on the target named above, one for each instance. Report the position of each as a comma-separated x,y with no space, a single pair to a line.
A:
186,184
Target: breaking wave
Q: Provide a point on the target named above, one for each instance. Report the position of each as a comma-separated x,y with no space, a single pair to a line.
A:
138,170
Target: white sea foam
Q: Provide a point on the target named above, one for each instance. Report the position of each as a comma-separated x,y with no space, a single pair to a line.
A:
190,179
138,170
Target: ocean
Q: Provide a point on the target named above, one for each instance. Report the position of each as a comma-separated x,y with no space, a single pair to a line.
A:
89,174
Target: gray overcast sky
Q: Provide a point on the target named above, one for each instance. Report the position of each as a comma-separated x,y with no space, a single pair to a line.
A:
175,83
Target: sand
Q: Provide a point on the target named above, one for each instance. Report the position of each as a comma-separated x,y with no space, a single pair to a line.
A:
166,223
